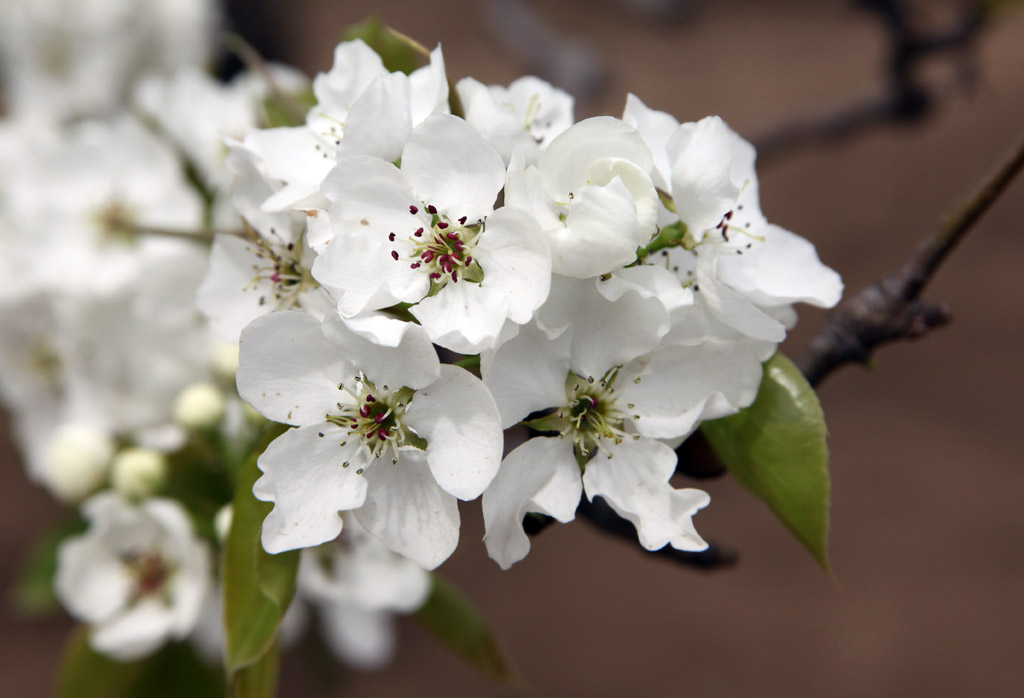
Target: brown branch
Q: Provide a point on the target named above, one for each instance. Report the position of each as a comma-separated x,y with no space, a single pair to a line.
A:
905,96
891,309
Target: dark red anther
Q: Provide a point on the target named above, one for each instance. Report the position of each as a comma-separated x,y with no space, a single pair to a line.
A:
383,434
391,237
427,256
394,255
371,434
442,225
380,417
455,276
469,260
728,215
435,276
275,277
364,411
413,210
462,221
431,210
419,232
593,402
371,398
452,236
414,265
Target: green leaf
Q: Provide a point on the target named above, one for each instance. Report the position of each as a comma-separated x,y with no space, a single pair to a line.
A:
257,586
33,588
397,51
172,672
459,625
776,449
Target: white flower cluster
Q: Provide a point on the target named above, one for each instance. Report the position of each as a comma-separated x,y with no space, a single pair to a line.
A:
616,278
115,166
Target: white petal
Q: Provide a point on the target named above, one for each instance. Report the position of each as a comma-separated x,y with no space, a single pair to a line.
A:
681,384
359,637
229,295
303,475
702,186
378,123
287,370
411,362
408,512
463,316
603,333
731,307
450,165
657,129
458,418
527,373
601,232
635,484
513,253
91,579
137,632
540,476
429,88
783,269
565,161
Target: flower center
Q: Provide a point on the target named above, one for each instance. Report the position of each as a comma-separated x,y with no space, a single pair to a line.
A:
281,267
591,415
149,571
376,418
443,249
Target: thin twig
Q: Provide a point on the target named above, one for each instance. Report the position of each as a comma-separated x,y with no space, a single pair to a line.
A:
256,63
891,309
905,98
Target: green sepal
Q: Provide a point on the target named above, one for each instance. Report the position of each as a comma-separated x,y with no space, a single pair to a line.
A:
776,448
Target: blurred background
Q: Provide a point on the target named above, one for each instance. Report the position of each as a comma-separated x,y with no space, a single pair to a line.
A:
927,541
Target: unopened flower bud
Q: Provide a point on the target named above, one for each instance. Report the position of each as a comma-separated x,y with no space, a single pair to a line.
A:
225,361
199,406
77,460
138,472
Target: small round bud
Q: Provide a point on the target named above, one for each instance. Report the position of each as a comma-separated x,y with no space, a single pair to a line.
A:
199,406
77,460
138,472
225,361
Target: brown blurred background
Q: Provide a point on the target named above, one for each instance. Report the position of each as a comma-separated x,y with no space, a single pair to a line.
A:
928,477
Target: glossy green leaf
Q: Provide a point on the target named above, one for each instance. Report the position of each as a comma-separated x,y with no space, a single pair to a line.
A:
172,672
460,626
776,448
397,51
257,586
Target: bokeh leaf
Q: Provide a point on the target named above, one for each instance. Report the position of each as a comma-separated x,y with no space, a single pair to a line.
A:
776,448
460,626
397,51
258,586
172,672
33,588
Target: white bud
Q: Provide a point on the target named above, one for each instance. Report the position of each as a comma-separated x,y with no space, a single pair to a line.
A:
199,406
77,459
138,472
222,522
225,361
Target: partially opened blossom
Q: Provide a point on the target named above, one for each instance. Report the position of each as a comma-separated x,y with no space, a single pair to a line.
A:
383,429
427,234
611,389
138,577
746,273
523,117
592,193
